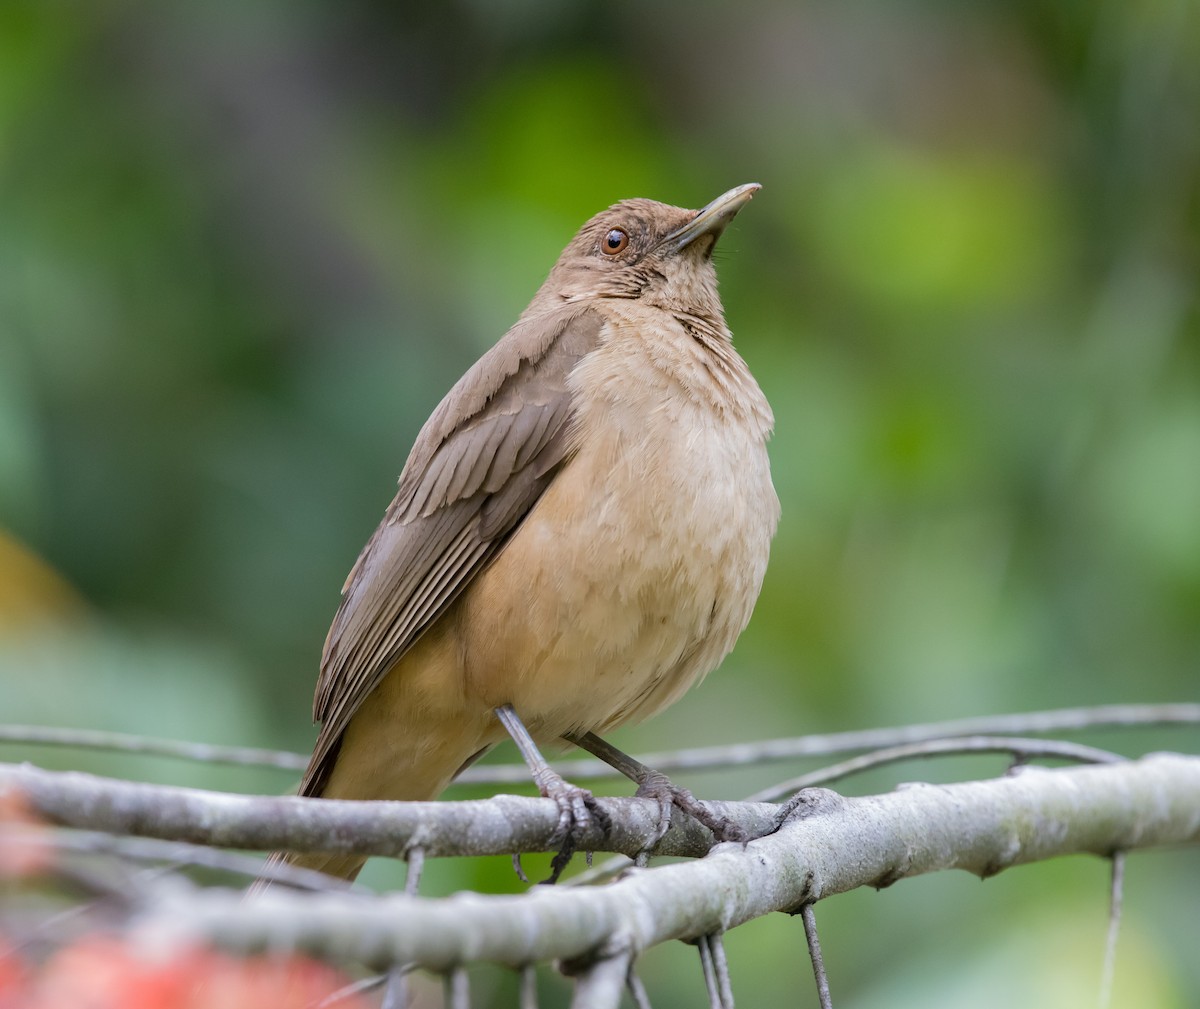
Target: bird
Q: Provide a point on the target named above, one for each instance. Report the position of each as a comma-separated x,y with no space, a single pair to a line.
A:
579,535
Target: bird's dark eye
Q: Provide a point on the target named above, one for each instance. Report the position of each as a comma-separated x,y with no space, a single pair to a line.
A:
614,242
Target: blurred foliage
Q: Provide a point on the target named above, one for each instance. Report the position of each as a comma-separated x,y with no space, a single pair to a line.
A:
245,248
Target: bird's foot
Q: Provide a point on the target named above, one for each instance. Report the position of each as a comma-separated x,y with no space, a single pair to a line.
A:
657,786
578,811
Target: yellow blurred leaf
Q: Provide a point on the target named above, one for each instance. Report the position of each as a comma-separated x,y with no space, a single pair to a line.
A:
30,590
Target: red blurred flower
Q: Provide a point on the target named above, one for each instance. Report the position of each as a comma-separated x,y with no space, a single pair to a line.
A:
104,973
13,977
25,846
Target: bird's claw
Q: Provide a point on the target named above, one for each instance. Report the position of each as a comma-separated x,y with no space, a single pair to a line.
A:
578,812
669,796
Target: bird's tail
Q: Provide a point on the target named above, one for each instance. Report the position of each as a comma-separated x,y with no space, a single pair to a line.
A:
345,867
418,782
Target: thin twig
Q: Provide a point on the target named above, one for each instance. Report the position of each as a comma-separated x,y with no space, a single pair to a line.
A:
814,953
518,868
721,965
395,992
414,861
1026,749
354,988
1114,926
180,853
120,892
637,990
710,973
458,989
121,742
828,744
692,758
529,986
602,872
600,984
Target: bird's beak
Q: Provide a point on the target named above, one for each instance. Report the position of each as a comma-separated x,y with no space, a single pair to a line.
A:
711,220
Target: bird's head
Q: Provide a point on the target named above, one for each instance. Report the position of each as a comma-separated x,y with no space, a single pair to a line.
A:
645,250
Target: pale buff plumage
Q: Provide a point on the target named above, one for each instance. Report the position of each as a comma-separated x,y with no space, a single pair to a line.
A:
589,569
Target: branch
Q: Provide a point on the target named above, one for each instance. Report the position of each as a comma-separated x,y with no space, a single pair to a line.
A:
826,845
122,742
1021,749
829,846
741,754
500,825
696,758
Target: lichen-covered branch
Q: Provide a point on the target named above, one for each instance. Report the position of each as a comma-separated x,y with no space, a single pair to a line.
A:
830,845
500,825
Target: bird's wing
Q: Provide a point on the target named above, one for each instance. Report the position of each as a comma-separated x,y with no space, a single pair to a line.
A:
478,466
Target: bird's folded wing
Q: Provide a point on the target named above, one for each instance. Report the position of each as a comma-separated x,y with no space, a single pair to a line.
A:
479,465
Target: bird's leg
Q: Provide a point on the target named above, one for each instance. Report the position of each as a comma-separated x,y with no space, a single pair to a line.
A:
577,807
655,785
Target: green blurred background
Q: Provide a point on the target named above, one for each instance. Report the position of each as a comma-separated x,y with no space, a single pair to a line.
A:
245,248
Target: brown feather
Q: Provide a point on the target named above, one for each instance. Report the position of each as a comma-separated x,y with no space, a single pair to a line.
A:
478,466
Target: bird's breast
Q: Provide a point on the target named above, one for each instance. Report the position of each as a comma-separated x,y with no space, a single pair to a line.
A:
639,567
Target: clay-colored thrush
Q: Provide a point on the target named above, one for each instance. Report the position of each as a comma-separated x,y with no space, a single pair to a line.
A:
580,533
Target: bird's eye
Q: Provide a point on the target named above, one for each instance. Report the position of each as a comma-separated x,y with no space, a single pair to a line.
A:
614,242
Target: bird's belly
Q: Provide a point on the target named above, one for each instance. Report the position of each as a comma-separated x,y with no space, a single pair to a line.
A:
627,583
